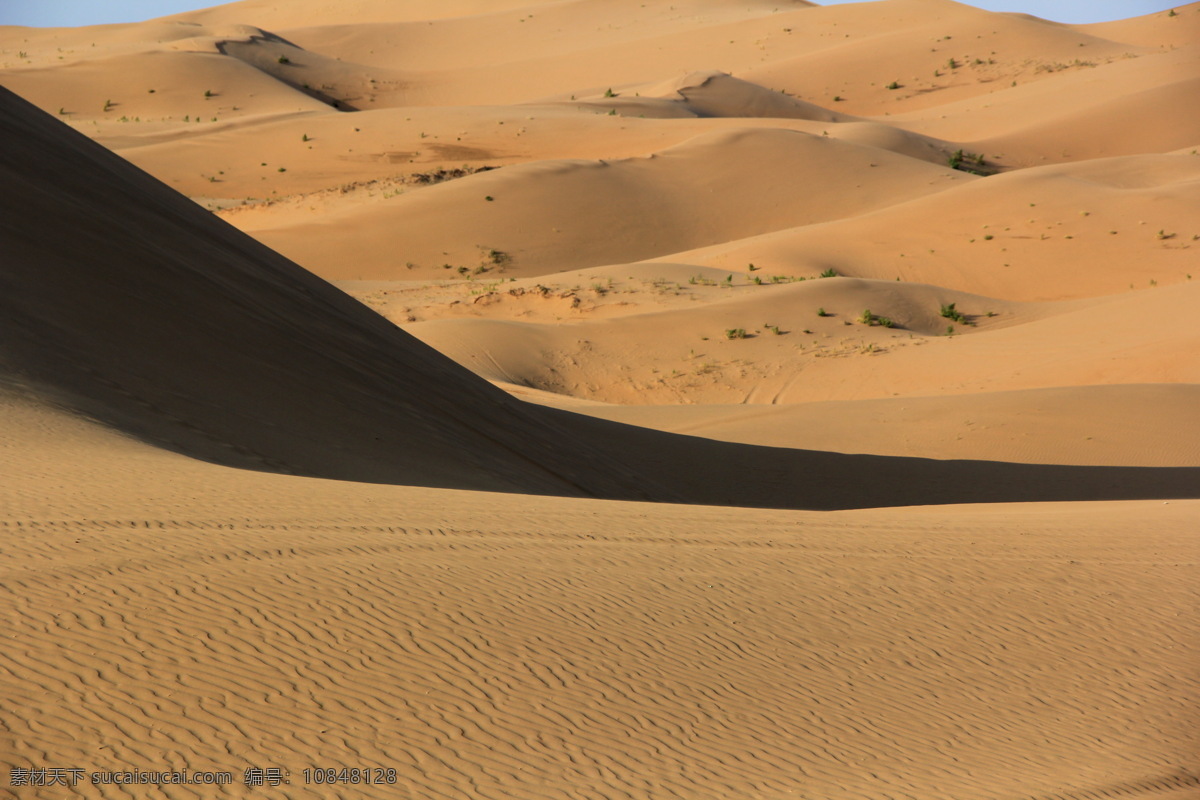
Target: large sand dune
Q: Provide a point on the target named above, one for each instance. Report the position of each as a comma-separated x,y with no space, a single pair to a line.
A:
692,400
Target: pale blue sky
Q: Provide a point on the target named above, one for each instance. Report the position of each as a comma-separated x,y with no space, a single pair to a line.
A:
1073,11
46,13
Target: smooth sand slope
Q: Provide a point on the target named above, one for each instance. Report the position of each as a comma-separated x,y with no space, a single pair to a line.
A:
248,521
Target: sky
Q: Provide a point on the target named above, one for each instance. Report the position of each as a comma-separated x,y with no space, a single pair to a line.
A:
53,13
1073,11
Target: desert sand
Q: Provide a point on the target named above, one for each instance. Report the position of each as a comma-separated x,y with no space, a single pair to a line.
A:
603,400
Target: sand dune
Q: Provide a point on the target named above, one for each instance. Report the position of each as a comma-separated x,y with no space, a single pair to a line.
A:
170,81
579,480
963,53
1055,232
1113,424
687,354
1161,30
1091,110
677,199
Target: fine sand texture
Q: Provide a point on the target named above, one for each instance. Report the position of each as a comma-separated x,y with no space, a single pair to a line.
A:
602,399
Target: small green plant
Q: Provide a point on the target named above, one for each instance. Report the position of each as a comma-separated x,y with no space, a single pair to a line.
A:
464,271
837,98
609,92
62,111
757,280
304,138
284,60
893,85
108,104
829,273
735,333
950,312
1162,234
489,198
775,330
951,64
728,282
283,169
988,237
1172,13
967,162
612,112
752,268
822,312
867,318
949,330
207,94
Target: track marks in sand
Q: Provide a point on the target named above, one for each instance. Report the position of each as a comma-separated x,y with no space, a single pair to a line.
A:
639,655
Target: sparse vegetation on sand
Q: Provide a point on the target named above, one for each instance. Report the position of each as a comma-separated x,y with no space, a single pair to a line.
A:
949,311
867,318
967,162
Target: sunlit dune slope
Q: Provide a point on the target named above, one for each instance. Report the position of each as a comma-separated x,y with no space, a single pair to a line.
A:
1132,424
1062,231
553,216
